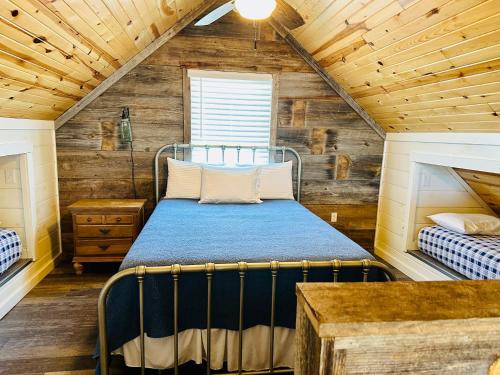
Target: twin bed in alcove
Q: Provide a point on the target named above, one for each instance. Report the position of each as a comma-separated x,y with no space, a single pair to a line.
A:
10,249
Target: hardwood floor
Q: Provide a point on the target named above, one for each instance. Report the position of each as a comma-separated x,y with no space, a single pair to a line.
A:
53,330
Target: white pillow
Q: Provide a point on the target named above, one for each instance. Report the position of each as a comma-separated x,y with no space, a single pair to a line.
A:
229,185
468,223
275,181
184,180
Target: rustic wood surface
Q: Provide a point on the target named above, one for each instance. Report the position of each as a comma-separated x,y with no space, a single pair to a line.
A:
413,65
104,229
486,185
53,53
401,327
342,155
335,312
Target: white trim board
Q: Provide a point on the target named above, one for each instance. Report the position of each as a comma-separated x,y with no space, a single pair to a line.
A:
457,138
25,124
410,266
491,165
21,284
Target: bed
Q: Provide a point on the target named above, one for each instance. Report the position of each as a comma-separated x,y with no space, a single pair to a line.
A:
475,257
10,249
207,282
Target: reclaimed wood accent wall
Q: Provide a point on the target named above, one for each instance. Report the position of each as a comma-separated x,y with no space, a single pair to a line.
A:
486,185
342,154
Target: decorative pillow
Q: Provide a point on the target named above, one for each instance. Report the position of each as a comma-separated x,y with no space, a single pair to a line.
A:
275,181
468,223
184,180
229,185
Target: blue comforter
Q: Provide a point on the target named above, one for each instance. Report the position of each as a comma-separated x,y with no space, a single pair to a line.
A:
185,232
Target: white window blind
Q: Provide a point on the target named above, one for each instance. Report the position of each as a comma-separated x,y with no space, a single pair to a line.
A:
232,109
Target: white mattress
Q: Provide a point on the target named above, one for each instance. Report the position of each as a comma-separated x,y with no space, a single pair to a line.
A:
192,347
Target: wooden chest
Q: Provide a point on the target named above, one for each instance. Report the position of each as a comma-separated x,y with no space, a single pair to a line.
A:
427,328
104,229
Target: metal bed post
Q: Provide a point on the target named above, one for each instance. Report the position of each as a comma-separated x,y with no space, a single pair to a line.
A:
210,268
176,270
274,274
140,272
242,268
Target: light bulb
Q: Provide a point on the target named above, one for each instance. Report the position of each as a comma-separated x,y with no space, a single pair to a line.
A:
255,9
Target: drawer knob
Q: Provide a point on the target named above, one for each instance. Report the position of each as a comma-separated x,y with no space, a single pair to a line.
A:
118,219
104,231
89,219
104,247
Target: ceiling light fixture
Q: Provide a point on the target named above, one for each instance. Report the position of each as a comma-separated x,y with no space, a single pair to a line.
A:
255,9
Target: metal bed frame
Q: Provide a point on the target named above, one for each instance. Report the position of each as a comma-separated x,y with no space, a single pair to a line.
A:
176,148
210,269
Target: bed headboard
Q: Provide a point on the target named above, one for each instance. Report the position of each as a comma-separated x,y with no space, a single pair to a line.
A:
176,149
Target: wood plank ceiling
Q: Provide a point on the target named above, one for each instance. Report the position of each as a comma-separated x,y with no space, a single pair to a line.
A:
413,65
54,52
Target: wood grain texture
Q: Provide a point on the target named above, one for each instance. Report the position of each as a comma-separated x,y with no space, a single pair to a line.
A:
402,60
486,185
372,334
411,66
54,53
311,117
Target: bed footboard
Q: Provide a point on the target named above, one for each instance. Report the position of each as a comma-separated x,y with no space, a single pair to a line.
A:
209,270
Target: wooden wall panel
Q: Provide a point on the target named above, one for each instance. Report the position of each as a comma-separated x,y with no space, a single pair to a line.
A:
342,155
486,185
413,65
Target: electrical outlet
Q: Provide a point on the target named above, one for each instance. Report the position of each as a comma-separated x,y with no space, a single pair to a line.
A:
333,218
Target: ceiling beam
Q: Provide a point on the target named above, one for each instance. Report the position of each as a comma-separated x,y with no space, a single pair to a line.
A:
136,60
285,34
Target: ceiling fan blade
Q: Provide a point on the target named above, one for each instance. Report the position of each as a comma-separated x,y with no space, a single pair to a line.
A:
215,14
287,16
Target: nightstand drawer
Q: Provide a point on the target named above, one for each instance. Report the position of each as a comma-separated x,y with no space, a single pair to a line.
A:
106,231
102,247
88,219
118,219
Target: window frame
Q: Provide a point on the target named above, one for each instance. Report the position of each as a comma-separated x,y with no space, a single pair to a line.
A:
186,96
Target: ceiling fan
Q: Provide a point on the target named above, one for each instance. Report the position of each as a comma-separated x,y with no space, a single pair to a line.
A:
257,10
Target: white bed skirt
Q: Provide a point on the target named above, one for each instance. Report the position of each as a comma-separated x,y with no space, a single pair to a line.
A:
193,347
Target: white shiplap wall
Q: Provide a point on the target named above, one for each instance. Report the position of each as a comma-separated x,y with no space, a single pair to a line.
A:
432,189
47,242
11,196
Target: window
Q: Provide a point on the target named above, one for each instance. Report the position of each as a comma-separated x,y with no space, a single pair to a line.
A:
232,109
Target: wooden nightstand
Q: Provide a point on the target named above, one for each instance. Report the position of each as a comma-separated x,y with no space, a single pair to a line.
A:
104,229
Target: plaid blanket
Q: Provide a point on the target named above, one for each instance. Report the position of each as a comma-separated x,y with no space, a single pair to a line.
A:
10,248
476,257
